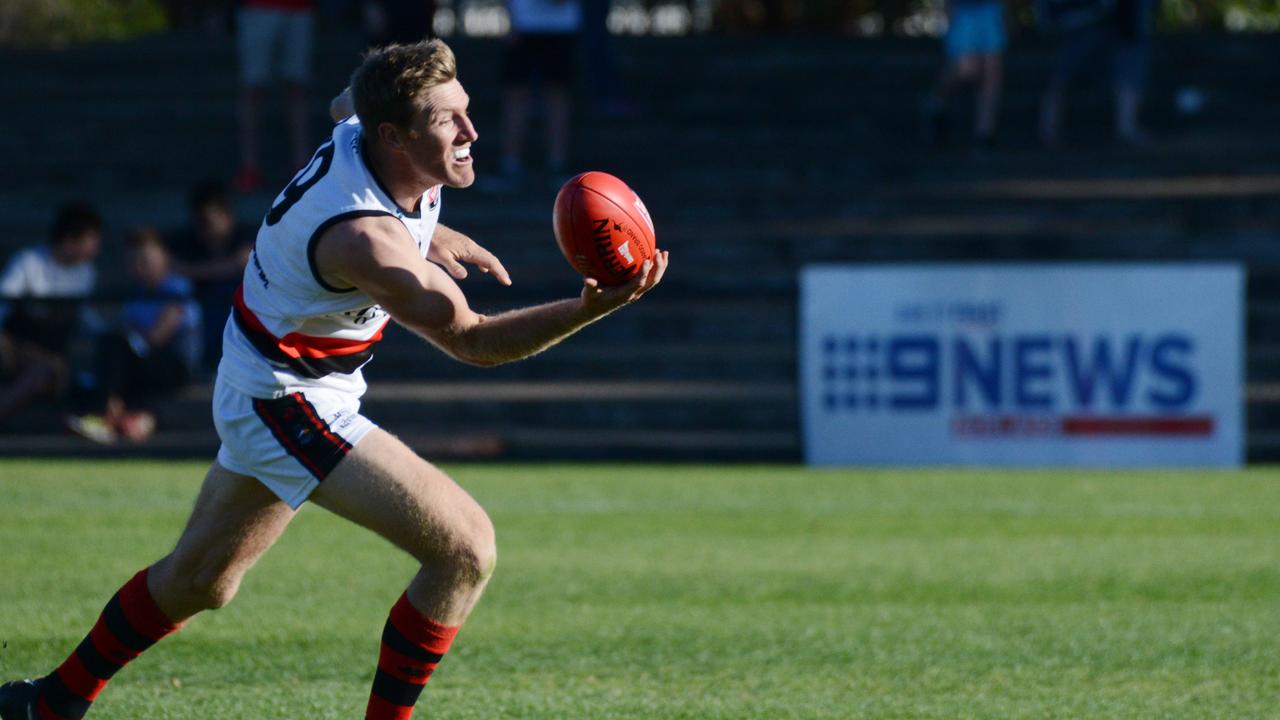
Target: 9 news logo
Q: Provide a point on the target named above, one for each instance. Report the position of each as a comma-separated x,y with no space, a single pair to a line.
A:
1033,384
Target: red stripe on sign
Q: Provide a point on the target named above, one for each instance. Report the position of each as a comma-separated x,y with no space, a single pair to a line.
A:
297,345
1184,426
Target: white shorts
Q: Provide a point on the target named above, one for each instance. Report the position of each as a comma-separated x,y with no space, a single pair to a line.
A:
290,443
260,30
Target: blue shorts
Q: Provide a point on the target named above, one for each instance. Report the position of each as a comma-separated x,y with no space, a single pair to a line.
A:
976,30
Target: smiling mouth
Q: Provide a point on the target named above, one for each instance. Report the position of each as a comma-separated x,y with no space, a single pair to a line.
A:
462,155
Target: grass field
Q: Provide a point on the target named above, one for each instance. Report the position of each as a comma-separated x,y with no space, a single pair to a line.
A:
702,592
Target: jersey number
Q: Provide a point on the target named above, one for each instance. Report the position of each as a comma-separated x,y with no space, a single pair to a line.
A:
306,178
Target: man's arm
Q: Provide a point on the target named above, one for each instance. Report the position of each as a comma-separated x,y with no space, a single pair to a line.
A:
13,280
165,326
377,256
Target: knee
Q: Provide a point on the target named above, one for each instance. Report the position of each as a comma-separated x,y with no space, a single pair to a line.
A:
213,590
479,550
191,587
471,553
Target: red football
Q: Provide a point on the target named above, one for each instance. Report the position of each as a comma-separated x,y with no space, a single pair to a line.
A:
603,228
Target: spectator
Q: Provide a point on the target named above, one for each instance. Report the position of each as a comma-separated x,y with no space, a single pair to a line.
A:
1134,19
542,44
262,25
212,252
1117,30
603,79
43,289
398,21
152,356
975,45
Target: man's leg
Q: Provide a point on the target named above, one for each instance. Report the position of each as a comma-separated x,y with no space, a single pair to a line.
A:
515,120
256,29
39,376
384,486
559,113
299,137
234,522
296,68
991,79
249,176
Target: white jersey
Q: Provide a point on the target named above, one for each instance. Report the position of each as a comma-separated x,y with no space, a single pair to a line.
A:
290,330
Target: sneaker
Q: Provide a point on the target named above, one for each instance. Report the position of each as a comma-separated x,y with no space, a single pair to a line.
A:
92,427
18,700
137,427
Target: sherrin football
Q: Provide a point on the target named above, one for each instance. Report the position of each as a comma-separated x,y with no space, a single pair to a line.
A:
603,228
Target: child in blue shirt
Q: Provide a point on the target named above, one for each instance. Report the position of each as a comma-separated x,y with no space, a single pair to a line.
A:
155,352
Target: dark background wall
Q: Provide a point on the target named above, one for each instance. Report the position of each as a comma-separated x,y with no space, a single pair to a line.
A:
756,153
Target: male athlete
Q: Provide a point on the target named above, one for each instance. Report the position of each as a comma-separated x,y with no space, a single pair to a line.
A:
348,244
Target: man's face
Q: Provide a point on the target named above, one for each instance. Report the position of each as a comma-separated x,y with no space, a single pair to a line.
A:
150,264
79,249
214,222
438,143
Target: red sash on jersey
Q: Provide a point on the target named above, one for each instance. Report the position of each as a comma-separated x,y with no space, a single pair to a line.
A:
306,355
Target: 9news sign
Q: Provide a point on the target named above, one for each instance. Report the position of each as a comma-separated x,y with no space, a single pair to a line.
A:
1086,365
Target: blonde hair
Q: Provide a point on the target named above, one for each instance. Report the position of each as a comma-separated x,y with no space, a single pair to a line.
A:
389,84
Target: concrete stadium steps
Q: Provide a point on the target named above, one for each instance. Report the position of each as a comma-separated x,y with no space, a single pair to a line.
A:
756,155
610,360
169,86
638,419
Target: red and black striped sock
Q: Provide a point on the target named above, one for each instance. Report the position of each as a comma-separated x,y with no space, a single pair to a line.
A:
412,646
130,623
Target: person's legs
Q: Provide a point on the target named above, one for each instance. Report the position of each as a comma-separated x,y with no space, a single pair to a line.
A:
384,486
299,137
557,59
234,522
559,112
961,45
990,81
295,68
249,177
957,71
966,69
1076,48
602,63
98,409
1130,77
256,31
160,373
29,372
517,80
515,118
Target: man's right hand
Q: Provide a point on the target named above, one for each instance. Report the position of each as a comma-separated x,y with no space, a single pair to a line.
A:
600,300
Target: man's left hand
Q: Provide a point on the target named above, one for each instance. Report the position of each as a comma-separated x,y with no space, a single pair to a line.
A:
450,248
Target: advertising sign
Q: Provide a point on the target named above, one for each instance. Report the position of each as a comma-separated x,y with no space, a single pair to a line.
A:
1067,364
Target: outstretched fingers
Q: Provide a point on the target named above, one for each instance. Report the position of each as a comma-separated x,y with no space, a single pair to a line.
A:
660,268
489,263
608,298
650,275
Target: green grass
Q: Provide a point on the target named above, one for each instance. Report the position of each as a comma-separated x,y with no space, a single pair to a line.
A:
702,592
